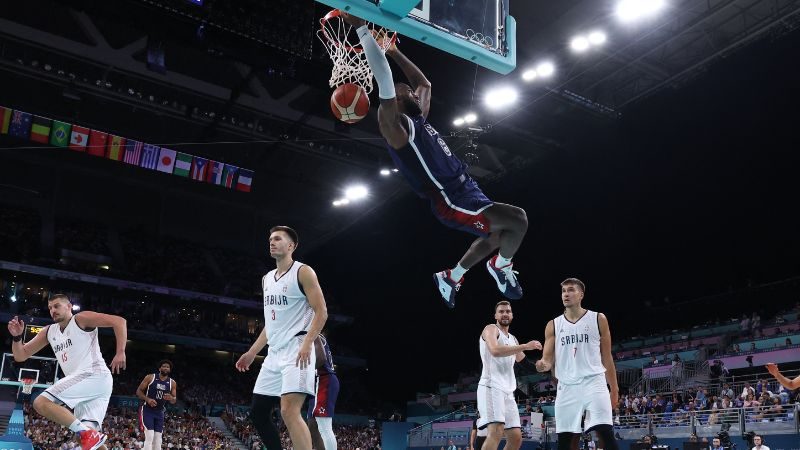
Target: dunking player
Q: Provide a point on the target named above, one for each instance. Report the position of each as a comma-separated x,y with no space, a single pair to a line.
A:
86,387
155,390
321,407
435,173
496,405
294,315
584,368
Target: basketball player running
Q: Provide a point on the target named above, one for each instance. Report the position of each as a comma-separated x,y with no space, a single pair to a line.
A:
436,174
155,390
294,315
497,408
321,407
581,341
86,387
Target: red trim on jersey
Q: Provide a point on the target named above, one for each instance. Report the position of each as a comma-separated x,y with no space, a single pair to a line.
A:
141,418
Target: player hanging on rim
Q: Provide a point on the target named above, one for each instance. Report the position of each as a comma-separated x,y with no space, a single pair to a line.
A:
155,390
578,346
86,387
435,173
294,315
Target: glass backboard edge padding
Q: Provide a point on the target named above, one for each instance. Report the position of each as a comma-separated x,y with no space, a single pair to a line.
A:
428,35
399,8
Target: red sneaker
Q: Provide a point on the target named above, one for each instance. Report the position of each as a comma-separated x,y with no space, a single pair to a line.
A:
92,440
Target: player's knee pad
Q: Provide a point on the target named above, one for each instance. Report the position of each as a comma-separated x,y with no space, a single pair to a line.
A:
568,441
606,435
261,416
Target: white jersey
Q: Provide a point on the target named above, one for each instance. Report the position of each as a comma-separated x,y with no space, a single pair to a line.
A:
286,309
77,351
577,348
498,371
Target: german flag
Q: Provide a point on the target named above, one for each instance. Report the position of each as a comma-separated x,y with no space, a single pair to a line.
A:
40,129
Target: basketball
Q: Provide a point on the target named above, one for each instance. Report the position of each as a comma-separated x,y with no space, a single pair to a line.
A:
349,103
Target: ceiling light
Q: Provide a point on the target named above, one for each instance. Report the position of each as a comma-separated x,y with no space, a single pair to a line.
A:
597,38
631,10
458,122
356,192
386,172
529,75
545,69
470,117
579,44
500,97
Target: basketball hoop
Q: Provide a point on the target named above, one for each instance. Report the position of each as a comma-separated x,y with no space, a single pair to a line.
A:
349,61
27,385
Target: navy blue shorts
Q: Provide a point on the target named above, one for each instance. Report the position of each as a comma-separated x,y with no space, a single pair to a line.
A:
463,208
150,419
323,404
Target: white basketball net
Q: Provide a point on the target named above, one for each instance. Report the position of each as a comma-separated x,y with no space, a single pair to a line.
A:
343,46
27,386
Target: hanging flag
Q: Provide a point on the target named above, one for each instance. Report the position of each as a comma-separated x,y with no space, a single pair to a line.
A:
5,119
245,180
229,176
133,152
20,125
40,129
166,160
183,165
215,172
60,134
150,156
79,138
97,143
199,169
116,148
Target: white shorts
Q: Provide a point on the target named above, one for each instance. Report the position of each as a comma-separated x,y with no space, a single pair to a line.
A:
280,374
591,396
497,406
85,393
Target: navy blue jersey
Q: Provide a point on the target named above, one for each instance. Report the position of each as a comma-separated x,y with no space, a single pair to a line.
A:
156,391
327,366
427,162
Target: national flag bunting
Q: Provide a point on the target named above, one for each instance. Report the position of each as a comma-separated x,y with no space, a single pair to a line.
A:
150,156
60,134
5,119
97,143
215,172
199,169
245,180
183,164
133,152
20,125
79,138
40,129
166,160
116,148
229,176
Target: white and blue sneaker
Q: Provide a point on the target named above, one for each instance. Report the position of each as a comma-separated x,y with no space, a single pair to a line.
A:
447,287
506,279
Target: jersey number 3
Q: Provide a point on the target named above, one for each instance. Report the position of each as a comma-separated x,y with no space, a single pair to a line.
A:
273,314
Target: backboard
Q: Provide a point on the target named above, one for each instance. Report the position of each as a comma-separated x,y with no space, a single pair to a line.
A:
480,31
41,369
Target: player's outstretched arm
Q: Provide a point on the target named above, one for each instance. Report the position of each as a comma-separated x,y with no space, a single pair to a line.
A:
773,369
310,284
548,354
91,319
489,335
421,85
22,352
243,364
608,358
141,391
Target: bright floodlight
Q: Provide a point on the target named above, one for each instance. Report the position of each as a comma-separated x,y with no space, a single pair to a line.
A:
579,44
458,122
355,192
597,38
337,203
470,117
545,69
630,10
500,97
529,75
385,172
